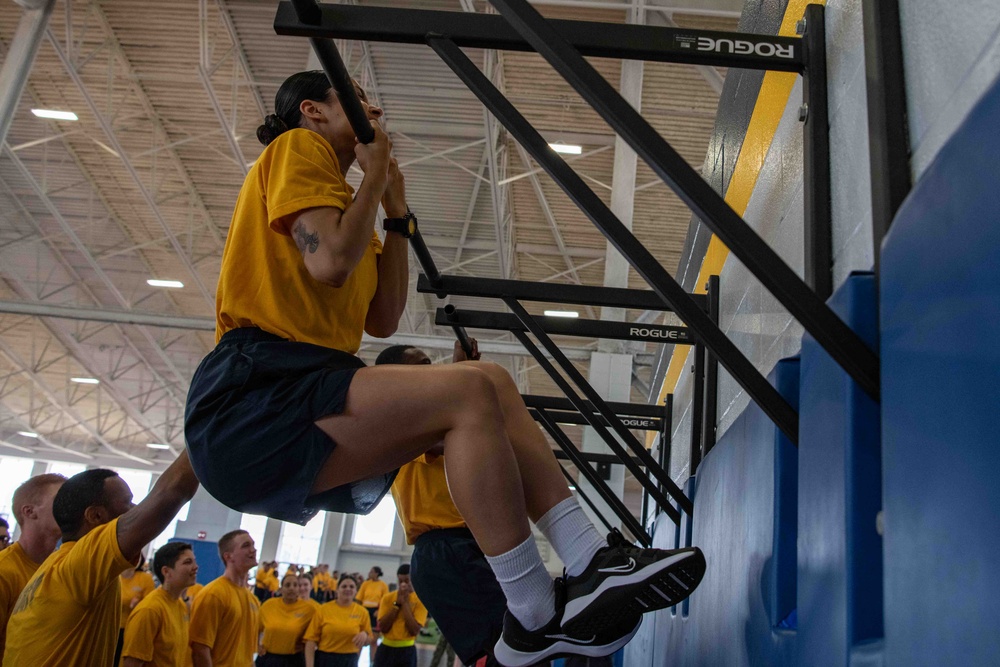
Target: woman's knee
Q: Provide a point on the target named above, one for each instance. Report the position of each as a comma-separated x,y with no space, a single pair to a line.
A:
475,390
498,375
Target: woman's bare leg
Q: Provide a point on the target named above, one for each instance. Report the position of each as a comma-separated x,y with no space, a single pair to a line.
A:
395,413
543,481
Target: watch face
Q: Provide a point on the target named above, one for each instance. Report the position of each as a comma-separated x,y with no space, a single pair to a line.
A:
411,225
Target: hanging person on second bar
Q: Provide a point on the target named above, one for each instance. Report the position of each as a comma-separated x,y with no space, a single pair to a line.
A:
283,401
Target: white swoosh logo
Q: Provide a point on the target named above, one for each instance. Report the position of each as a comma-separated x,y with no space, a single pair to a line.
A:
572,640
620,568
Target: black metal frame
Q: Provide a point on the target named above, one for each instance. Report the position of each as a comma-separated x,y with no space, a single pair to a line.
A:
489,31
711,372
838,339
888,130
614,502
558,43
523,290
562,326
818,230
673,294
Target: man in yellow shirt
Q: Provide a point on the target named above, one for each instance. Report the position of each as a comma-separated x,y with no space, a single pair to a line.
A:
224,617
32,509
157,629
467,602
70,610
400,616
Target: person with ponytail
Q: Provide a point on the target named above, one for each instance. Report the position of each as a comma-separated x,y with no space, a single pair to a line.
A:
283,401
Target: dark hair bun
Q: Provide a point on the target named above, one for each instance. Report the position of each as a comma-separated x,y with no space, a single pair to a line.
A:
272,127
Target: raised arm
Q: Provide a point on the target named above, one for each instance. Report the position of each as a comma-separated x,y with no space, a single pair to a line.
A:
138,526
387,305
331,241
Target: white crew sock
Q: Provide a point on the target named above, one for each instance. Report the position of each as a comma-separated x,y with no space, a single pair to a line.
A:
526,583
572,535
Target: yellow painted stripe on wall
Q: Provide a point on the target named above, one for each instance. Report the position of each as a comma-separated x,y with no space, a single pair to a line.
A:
772,100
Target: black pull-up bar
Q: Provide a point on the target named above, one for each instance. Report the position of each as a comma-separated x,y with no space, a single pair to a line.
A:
310,13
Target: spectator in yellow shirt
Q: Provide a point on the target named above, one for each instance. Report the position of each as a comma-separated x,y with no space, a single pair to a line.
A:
224,617
4,534
32,509
306,590
339,631
70,611
190,592
400,616
283,621
157,629
136,585
371,593
262,586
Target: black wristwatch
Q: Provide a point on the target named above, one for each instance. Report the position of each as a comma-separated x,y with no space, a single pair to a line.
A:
407,225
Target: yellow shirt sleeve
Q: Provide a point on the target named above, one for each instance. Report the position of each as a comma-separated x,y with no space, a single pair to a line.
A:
96,560
140,633
419,611
304,173
315,628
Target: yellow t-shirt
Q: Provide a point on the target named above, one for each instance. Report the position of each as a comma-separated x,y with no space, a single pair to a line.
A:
15,571
284,624
322,581
138,586
398,635
263,281
224,618
157,631
69,612
334,627
422,498
191,591
371,593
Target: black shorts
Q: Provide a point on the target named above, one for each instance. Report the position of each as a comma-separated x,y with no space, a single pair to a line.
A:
324,659
251,431
395,656
279,660
373,615
452,578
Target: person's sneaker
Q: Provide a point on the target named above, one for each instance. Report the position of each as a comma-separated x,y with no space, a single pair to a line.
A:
519,647
624,580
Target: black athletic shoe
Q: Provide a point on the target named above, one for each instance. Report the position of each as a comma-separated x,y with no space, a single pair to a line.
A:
623,580
519,647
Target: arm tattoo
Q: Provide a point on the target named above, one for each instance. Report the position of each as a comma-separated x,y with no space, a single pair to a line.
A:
304,239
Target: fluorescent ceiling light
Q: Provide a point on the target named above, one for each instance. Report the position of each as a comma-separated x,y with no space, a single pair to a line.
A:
156,445
27,434
85,380
568,149
152,282
562,313
55,115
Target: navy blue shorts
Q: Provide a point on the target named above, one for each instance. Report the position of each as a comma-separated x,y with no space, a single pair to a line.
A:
251,431
395,656
452,578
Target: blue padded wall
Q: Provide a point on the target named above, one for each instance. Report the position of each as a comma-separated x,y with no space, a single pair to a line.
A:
940,311
745,522
840,551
